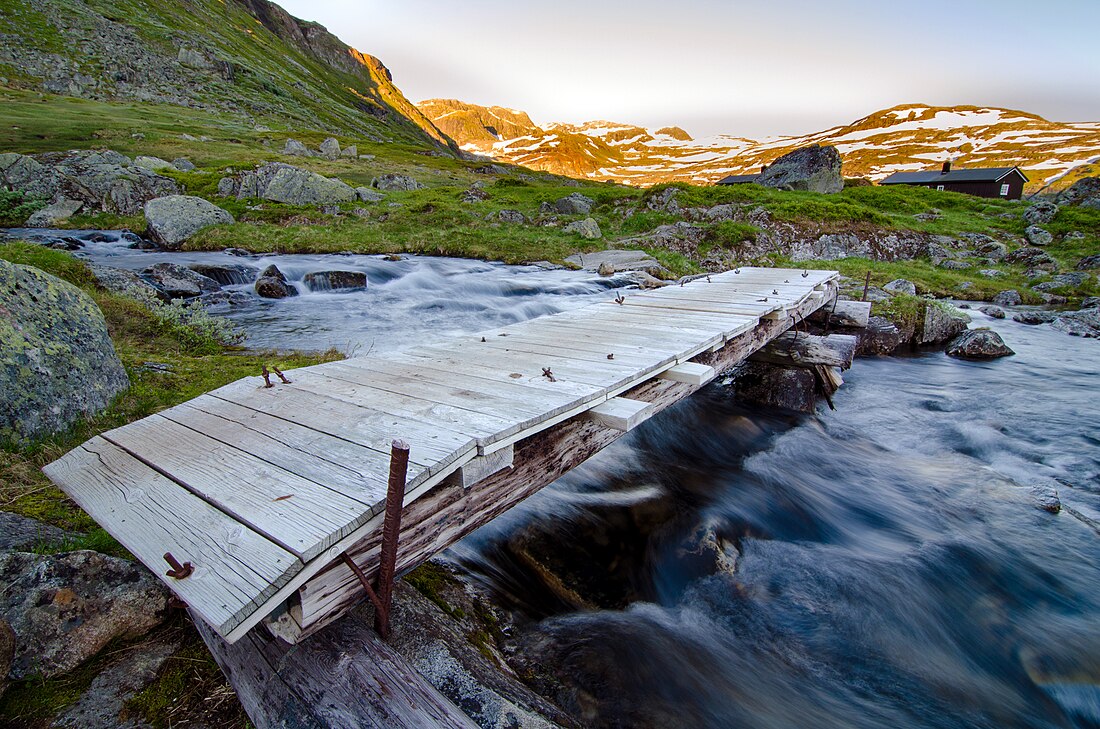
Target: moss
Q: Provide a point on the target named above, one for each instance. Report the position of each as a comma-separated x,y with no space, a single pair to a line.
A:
430,579
35,701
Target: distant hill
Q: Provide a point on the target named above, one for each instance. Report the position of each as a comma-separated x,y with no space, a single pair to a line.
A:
907,137
245,56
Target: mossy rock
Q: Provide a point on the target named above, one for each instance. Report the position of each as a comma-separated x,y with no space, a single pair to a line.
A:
57,362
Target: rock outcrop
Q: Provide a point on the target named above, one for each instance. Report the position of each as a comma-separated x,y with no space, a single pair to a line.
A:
288,184
57,362
400,183
1085,192
65,608
979,344
814,168
618,260
1040,213
172,220
54,213
942,322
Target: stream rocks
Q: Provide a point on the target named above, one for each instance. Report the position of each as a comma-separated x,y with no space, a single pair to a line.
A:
335,280
979,344
179,282
272,284
57,362
1010,297
172,220
54,213
618,260
65,608
942,322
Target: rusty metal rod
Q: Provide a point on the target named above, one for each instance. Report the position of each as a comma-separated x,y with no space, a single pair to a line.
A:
391,529
363,581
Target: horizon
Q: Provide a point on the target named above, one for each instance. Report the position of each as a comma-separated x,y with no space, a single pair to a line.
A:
592,72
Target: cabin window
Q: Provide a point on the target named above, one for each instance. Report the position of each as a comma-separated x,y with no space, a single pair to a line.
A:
1004,190
939,187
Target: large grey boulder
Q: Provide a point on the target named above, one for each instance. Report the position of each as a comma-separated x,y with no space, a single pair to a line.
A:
296,149
575,204
587,228
1084,323
367,195
1085,192
942,322
292,185
1038,236
330,148
54,213
1040,213
391,182
979,344
814,168
153,164
65,608
901,286
618,260
57,362
178,282
172,220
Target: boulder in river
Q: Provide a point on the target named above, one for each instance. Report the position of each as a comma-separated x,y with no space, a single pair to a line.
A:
942,322
226,274
57,362
335,280
64,608
1034,317
272,284
994,312
173,219
1085,323
815,168
620,260
979,344
178,282
124,281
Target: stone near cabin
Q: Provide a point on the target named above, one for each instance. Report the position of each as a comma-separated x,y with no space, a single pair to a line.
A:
65,608
272,284
335,280
815,168
330,148
295,148
901,286
57,362
183,164
587,228
575,204
1040,213
54,213
172,220
178,282
1008,298
285,183
393,182
1038,236
226,274
1085,192
979,344
994,312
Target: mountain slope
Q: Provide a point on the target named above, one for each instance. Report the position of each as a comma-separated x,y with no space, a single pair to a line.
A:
909,137
245,56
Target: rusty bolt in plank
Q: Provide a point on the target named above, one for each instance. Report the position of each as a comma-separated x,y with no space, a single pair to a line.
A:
178,571
548,374
267,377
281,375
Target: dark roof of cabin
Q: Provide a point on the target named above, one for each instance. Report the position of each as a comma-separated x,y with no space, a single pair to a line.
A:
738,179
977,174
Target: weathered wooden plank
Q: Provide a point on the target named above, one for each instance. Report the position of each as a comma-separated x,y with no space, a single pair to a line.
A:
301,516
806,350
621,413
692,373
760,309
235,568
346,677
471,365
701,319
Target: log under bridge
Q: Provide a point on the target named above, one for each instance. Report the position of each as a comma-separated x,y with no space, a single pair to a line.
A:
266,503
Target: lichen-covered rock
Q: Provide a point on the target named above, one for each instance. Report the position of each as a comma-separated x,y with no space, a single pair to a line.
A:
152,163
511,216
1085,323
367,195
124,281
292,185
1038,236
57,362
575,204
1032,257
994,312
54,213
22,533
350,152
335,280
587,228
882,337
272,284
942,322
183,164
979,344
330,148
1040,213
815,168
1085,192
172,220
64,608
7,653
1010,297
391,182
178,282
1089,262
1034,317
296,149
901,286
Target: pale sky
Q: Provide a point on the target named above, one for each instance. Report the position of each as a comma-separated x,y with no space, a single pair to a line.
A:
749,69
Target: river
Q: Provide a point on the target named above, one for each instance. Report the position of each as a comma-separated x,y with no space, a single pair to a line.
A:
893,567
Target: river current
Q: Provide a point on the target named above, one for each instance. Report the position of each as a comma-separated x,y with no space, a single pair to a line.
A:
893,567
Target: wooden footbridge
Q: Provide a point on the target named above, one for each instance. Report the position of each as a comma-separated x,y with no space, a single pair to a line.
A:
260,502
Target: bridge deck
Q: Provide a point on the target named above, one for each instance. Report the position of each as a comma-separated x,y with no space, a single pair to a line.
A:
262,488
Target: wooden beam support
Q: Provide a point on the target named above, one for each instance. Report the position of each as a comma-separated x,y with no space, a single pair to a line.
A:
482,467
621,413
692,373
